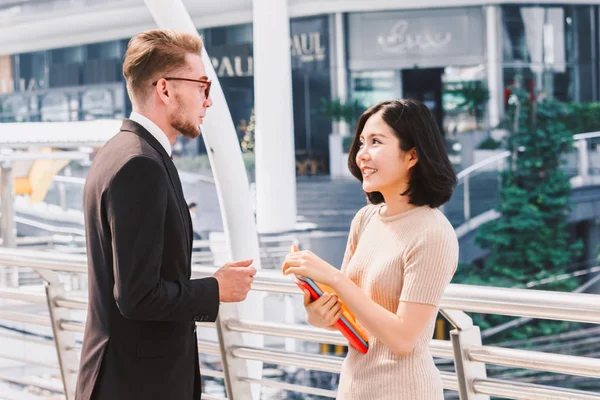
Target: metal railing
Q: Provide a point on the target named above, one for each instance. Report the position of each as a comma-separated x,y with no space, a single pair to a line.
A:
467,214
64,322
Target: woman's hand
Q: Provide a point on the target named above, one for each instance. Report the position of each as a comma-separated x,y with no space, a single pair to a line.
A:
323,312
306,263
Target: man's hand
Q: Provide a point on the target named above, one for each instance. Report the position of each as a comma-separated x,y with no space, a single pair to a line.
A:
234,280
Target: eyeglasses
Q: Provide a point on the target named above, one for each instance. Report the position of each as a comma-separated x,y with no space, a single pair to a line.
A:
204,81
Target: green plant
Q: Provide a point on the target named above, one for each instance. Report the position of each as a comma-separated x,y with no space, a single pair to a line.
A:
489,144
530,241
474,96
347,143
583,117
337,111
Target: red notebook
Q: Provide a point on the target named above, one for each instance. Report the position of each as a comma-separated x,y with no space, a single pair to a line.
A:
347,322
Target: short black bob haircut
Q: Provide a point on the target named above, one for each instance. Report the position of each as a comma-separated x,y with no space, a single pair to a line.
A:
432,179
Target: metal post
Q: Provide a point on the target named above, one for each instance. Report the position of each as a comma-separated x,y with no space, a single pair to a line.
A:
62,195
467,200
290,318
64,341
466,370
8,218
463,337
8,206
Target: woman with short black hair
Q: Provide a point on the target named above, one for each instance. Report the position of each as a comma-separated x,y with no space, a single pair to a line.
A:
401,255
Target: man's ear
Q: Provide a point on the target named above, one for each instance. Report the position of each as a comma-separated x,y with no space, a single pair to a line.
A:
162,90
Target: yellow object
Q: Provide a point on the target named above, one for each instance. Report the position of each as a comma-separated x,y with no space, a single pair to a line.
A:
22,186
340,350
33,178
41,175
324,348
440,329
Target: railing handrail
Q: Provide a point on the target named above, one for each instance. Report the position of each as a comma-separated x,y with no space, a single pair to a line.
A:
508,301
484,163
74,180
576,307
505,154
586,135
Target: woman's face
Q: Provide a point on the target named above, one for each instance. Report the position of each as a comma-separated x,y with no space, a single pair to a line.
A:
383,164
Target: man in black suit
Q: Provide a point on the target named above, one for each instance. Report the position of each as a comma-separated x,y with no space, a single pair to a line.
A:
140,338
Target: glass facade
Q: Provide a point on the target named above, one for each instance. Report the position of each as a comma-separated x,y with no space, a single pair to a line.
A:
86,82
231,52
418,54
66,84
549,50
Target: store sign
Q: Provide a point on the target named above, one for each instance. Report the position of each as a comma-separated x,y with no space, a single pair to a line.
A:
308,47
232,61
22,85
309,40
310,43
416,38
404,38
235,66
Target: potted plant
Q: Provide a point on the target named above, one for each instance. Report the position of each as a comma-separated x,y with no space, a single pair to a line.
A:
343,116
471,99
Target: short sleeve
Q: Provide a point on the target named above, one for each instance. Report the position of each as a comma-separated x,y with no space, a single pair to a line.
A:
429,265
353,235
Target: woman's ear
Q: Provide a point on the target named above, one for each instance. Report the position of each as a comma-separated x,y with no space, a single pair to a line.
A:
412,157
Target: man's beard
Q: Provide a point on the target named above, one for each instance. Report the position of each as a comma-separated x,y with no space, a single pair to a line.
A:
187,129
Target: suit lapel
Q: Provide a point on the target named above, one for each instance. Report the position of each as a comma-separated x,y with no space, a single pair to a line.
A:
132,126
183,208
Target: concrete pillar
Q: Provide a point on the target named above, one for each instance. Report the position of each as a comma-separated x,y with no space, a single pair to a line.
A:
275,158
494,64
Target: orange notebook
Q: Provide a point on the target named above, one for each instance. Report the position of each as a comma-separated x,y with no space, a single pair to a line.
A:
347,322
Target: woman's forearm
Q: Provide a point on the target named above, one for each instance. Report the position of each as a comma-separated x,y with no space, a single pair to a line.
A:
381,323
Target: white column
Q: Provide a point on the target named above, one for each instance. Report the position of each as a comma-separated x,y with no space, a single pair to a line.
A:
275,159
238,217
494,64
341,75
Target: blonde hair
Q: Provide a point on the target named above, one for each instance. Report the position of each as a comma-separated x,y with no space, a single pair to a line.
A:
152,55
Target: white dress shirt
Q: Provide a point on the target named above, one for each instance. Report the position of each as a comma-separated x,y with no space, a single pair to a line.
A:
153,129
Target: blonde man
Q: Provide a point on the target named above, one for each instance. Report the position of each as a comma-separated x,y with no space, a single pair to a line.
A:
140,338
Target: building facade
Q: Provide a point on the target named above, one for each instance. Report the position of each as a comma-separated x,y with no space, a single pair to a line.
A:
363,51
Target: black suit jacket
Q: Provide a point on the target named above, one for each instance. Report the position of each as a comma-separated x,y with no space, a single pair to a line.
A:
140,340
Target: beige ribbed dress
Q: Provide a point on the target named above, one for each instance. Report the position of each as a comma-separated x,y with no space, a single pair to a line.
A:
410,257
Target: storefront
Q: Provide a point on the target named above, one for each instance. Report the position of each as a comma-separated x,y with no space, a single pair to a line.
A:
231,53
416,54
427,54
